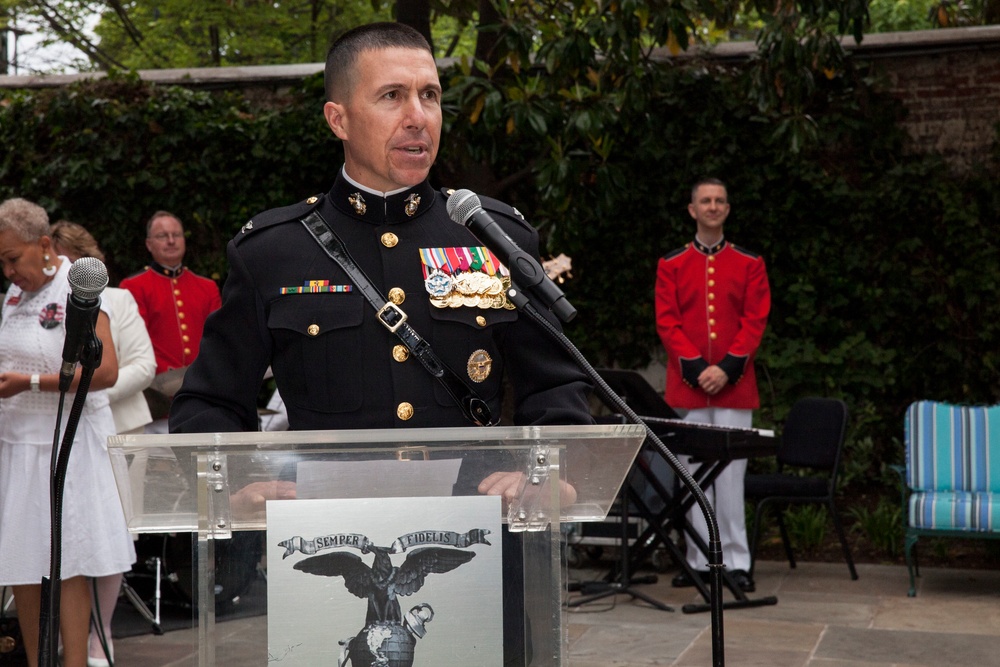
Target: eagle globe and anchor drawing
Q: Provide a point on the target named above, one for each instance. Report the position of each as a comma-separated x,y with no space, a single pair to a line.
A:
389,636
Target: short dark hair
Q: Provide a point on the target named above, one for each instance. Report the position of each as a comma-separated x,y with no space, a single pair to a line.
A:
708,180
160,214
339,77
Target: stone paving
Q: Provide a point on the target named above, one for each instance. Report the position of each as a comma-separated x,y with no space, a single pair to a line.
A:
822,619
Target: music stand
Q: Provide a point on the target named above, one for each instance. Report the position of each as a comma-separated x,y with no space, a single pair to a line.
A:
637,393
645,401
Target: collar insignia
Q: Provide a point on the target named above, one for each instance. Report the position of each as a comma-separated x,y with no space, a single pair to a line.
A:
358,202
412,202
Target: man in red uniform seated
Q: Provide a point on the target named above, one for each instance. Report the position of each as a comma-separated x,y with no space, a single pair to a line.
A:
712,302
173,301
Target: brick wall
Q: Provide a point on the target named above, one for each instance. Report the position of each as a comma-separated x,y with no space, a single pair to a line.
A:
950,88
948,80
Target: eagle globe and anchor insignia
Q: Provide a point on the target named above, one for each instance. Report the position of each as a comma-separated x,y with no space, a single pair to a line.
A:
389,636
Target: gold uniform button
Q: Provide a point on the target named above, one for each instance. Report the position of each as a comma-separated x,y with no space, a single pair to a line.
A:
400,353
184,327
711,296
180,316
312,200
389,240
177,292
711,283
711,309
713,335
187,350
397,296
179,303
404,411
313,330
185,338
711,322
480,320
711,258
711,270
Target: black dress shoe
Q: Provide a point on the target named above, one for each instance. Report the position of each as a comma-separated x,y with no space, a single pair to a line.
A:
743,580
684,580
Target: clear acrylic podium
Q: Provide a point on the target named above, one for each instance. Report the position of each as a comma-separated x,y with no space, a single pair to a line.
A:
190,484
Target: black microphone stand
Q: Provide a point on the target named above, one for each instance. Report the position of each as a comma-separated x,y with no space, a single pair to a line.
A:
715,562
48,621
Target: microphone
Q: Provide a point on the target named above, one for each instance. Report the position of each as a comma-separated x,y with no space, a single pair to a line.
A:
87,279
465,208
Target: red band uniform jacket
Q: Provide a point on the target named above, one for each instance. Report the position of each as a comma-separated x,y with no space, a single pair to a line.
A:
712,305
174,304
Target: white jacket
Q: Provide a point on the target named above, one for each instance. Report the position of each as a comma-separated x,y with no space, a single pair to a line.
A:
136,361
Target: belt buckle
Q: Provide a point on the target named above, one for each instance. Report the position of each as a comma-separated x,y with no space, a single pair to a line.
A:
390,310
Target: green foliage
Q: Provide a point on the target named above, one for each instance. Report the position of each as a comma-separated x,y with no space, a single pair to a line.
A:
881,263
107,154
180,33
806,525
882,526
881,283
900,15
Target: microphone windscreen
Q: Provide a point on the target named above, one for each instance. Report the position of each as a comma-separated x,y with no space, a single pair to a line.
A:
87,278
462,205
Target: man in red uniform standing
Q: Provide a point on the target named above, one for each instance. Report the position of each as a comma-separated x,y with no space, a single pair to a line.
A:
712,303
173,301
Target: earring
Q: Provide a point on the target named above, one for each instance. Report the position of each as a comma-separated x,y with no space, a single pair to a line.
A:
49,270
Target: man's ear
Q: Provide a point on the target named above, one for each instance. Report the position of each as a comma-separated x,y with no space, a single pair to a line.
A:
336,119
691,211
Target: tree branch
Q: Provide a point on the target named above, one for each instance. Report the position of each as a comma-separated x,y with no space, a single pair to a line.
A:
63,27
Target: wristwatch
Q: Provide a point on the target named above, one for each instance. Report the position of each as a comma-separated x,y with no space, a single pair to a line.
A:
36,383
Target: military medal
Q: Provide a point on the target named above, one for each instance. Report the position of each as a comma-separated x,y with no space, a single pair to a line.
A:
464,278
438,284
479,365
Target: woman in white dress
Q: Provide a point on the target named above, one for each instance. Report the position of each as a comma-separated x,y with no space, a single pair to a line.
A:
136,370
95,541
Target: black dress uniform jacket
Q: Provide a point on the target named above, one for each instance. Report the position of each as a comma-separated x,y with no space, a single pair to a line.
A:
332,360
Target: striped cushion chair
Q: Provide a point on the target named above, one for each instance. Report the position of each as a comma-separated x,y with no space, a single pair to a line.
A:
952,474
